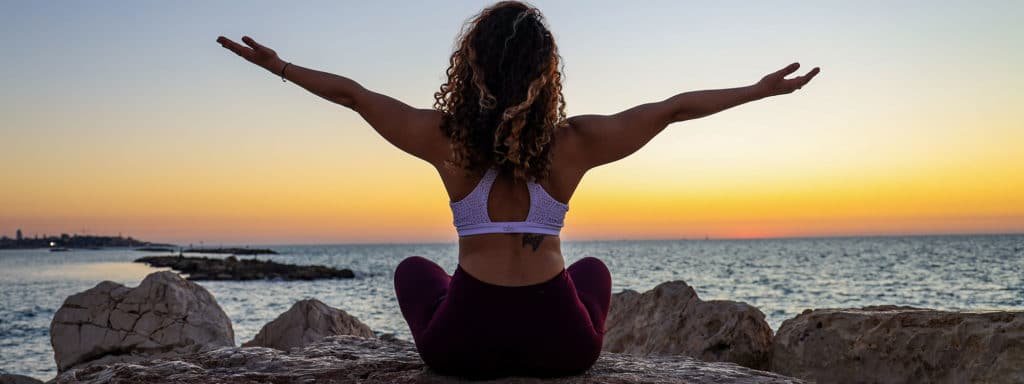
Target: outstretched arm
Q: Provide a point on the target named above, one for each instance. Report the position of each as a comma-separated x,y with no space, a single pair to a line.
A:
412,130
594,140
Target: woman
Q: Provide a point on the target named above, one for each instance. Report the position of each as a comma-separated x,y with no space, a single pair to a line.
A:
510,161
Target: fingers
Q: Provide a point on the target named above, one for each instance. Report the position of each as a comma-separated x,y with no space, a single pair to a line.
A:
252,43
810,75
226,42
799,82
232,46
785,71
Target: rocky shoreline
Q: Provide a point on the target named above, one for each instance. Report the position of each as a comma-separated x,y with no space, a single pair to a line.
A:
171,330
233,251
232,268
353,359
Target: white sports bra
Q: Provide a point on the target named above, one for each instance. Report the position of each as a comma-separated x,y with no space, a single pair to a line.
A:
546,216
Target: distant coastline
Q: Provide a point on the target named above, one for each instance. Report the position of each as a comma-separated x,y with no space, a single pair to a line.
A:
74,241
96,242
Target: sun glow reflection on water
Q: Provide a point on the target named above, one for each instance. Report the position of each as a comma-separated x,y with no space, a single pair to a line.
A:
113,271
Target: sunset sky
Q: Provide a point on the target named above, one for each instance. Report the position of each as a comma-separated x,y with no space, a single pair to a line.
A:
127,117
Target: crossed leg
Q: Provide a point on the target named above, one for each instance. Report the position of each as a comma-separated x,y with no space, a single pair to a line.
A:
420,285
594,287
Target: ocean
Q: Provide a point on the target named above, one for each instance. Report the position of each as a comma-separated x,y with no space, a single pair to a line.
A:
782,277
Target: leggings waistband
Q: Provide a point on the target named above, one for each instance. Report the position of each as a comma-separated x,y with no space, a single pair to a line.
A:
460,277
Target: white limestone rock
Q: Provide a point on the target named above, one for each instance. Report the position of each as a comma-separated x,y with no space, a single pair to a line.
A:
672,320
307,321
165,315
889,344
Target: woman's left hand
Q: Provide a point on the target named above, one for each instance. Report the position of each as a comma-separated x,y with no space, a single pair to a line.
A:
775,83
258,54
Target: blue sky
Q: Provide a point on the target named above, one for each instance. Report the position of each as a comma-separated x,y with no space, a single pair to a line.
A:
106,104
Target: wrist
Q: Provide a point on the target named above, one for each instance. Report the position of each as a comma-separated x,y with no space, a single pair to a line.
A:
758,91
275,66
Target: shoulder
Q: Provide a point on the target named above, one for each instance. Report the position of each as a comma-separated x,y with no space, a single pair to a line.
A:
567,166
569,144
427,131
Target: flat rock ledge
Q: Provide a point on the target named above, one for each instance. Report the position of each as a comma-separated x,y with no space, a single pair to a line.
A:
352,359
231,268
234,251
890,344
671,320
307,321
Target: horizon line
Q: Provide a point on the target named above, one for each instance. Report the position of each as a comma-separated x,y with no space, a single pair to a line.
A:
594,240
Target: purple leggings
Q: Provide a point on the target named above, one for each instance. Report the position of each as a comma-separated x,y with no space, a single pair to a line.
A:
466,327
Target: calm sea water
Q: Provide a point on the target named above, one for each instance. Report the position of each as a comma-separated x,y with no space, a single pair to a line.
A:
781,277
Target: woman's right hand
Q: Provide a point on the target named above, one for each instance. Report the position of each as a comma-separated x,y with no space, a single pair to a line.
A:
258,54
775,83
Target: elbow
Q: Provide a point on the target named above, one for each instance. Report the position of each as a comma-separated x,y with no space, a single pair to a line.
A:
345,101
345,98
348,96
679,116
686,115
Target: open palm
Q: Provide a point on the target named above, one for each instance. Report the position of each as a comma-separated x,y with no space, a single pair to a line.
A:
775,83
255,53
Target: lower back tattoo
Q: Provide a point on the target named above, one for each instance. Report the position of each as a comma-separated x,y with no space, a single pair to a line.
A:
533,240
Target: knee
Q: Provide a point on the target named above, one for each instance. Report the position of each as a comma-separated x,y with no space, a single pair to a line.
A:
592,265
409,267
412,263
591,260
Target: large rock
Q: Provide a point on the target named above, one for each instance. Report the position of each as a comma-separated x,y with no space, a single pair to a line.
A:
306,322
352,359
8,378
887,344
164,315
671,319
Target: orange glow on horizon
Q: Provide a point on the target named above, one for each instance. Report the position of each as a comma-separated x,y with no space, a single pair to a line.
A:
913,127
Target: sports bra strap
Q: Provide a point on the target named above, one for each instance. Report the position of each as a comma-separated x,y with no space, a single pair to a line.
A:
546,215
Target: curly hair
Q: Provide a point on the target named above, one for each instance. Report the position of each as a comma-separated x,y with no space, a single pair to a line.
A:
503,99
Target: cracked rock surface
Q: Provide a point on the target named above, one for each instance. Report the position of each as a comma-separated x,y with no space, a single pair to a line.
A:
305,322
352,359
890,344
671,320
165,315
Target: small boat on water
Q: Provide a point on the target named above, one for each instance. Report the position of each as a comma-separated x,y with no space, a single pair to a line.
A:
59,249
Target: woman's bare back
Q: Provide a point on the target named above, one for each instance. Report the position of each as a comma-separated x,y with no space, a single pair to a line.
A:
512,259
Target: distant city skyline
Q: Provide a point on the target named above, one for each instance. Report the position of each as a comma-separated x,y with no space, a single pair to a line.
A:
129,117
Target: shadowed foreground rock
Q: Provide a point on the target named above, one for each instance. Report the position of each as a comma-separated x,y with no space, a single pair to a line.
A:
231,268
8,378
888,344
164,315
351,359
307,321
672,320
